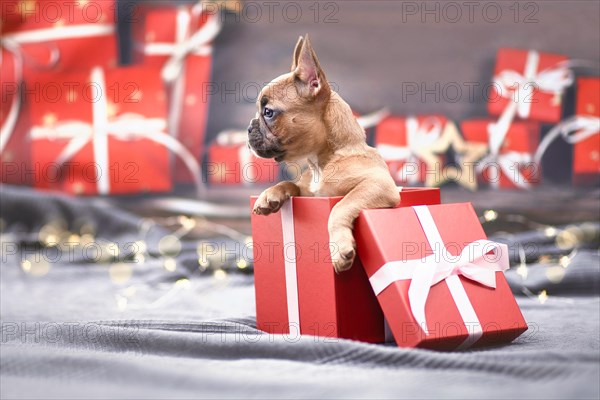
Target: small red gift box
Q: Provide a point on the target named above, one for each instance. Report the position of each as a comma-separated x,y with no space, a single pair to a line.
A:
234,164
532,81
586,152
297,289
399,141
509,163
439,287
105,135
177,41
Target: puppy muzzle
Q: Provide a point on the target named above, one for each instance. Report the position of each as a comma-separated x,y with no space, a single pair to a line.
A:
263,143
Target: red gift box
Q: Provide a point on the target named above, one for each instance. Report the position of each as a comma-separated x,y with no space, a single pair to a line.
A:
399,140
177,41
509,163
439,287
296,285
586,152
531,82
230,162
105,136
61,35
41,36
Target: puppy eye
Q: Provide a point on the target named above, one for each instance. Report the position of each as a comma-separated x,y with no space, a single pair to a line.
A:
268,113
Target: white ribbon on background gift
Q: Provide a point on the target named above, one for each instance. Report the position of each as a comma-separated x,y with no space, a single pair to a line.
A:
474,262
126,127
573,130
418,136
12,42
186,43
519,89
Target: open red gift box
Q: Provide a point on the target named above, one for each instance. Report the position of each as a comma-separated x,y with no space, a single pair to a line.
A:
438,280
296,286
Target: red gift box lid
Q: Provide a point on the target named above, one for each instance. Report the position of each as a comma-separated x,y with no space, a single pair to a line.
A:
388,235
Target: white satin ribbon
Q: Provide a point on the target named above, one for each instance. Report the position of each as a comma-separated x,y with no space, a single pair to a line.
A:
8,126
474,262
573,130
291,274
417,137
128,126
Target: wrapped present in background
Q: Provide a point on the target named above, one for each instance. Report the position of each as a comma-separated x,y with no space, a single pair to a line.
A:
177,41
100,140
297,289
439,287
582,131
529,84
230,162
37,37
413,147
586,151
508,162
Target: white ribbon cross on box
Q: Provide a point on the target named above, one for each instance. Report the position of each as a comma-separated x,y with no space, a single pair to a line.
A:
474,262
125,127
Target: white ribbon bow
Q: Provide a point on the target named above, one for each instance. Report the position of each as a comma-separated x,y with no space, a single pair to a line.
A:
553,80
474,262
418,136
573,130
125,127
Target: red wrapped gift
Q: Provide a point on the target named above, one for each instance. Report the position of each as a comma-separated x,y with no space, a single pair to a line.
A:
509,163
529,84
230,162
586,152
15,161
297,289
439,287
404,142
177,41
41,36
104,134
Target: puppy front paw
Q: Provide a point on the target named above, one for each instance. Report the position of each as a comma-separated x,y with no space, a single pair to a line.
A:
270,201
343,252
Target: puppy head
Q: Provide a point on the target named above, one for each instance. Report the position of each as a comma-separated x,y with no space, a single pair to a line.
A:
290,123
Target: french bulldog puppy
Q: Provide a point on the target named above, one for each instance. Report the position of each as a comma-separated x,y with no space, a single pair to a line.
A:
301,119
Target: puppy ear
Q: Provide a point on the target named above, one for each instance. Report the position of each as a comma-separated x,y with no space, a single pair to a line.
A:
308,71
297,52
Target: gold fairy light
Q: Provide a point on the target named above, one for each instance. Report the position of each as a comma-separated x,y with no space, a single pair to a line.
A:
120,273
544,259
170,264
49,234
203,264
87,229
566,240
169,245
242,264
130,291
550,231
555,274
35,266
564,261
490,215
542,297
140,247
111,249
220,274
183,283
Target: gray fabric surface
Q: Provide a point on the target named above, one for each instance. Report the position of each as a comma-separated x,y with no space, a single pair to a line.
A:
68,334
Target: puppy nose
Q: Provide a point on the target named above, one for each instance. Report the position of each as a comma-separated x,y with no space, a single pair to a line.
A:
250,128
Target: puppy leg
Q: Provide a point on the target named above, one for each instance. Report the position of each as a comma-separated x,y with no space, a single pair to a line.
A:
271,199
367,194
